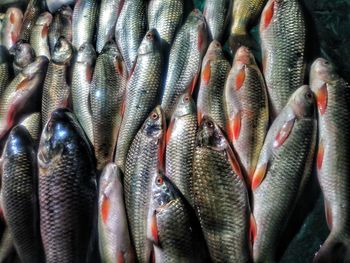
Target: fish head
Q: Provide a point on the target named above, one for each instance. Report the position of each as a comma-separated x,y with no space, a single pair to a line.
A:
185,106
200,28
163,192
214,51
302,102
63,51
38,67
210,135
44,19
111,49
110,180
86,54
4,54
23,53
14,15
154,126
322,71
244,56
150,42
19,141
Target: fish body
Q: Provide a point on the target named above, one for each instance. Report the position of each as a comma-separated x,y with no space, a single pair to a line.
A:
23,54
54,5
220,196
56,91
39,36
333,167
83,68
106,101
32,123
141,93
246,109
109,13
19,194
34,8
130,29
185,60
284,167
12,26
215,69
143,160
5,74
84,22
67,189
2,26
180,143
282,32
114,236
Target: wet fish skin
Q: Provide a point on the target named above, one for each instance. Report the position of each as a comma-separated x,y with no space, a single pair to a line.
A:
176,231
180,143
12,26
61,26
246,106
32,123
333,166
39,35
215,69
109,13
217,15
67,182
54,5
165,16
144,158
141,93
23,54
56,91
106,100
285,165
283,50
34,8
220,196
130,29
4,69
84,21
82,73
2,26
114,235
19,194
185,60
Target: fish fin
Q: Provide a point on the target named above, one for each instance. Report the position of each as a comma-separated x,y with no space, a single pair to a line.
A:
120,257
193,84
206,74
234,129
132,68
12,18
152,233
119,67
328,213
283,133
88,74
169,131
250,174
240,78
234,164
23,84
252,229
13,37
322,99
259,176
320,155
267,14
105,208
201,40
334,249
199,115
45,31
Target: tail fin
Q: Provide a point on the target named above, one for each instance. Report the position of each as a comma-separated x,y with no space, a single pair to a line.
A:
246,40
334,249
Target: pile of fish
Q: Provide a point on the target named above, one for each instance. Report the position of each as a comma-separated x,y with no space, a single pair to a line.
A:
129,134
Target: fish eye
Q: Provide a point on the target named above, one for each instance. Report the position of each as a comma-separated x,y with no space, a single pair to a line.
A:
154,116
149,35
309,95
159,180
217,45
186,99
210,124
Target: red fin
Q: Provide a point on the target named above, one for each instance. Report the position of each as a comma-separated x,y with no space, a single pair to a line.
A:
320,155
23,84
193,84
12,18
152,224
283,133
250,174
132,68
206,73
120,67
240,78
88,74
13,37
328,214
268,14
199,116
235,165
200,40
120,257
169,131
11,114
322,99
45,31
235,127
161,152
253,230
105,209
259,176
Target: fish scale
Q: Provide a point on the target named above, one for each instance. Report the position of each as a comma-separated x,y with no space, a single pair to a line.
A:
33,124
30,16
39,39
4,70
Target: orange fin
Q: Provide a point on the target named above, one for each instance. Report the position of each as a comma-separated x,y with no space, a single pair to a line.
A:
105,209
120,257
161,152
193,84
199,116
253,229
206,73
169,131
240,78
45,31
88,74
235,127
234,164
259,176
283,133
13,37
322,99
268,14
328,214
23,84
152,224
200,40
120,67
12,18
320,155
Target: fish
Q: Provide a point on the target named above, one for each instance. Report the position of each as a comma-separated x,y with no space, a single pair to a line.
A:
82,72
61,26
5,70
333,167
12,26
23,95
34,8
141,93
245,14
285,165
114,238
172,225
180,143
23,54
39,35
130,30
83,23
282,33
144,158
185,59
215,69
67,189
165,16
106,100
2,26
19,194
32,123
109,13
54,5
220,196
217,15
56,91
247,110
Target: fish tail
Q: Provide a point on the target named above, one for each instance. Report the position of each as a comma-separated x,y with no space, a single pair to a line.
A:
238,40
334,249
